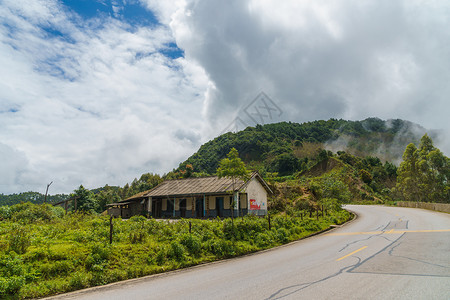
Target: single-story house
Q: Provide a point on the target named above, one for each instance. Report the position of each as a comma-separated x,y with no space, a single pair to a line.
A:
202,197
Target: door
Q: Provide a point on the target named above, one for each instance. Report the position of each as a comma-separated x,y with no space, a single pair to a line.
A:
219,206
156,208
183,208
199,208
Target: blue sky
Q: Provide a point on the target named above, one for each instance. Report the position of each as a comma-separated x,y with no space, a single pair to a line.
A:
100,92
131,12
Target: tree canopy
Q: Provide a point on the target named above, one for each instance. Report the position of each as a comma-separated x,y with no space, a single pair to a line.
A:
424,173
232,167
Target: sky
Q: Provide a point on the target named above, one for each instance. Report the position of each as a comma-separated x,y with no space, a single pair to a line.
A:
98,92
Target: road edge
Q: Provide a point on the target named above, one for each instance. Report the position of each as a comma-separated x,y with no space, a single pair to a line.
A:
76,293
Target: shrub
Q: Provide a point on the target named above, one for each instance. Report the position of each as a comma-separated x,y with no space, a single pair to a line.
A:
138,236
98,257
161,256
30,213
138,219
229,230
19,239
191,243
282,235
56,269
11,285
264,240
5,212
176,251
78,281
365,176
310,225
304,204
221,248
331,204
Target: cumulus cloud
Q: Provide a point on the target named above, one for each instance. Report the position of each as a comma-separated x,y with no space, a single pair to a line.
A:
101,99
342,59
94,104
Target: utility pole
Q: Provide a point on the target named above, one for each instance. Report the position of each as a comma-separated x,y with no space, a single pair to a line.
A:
46,191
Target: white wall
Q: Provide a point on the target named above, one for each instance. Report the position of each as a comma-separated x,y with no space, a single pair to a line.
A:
256,191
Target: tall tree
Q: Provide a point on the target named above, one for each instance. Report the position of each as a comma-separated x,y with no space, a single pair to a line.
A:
407,180
234,168
85,199
106,196
424,173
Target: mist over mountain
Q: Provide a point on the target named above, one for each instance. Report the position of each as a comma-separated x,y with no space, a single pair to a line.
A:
287,147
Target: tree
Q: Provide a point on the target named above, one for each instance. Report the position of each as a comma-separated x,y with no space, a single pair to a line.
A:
424,173
365,176
234,168
106,196
85,199
407,180
285,164
124,193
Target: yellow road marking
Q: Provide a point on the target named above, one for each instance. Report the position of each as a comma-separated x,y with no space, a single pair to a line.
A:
392,231
362,248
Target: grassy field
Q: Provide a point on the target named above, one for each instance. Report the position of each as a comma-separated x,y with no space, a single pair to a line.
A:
45,252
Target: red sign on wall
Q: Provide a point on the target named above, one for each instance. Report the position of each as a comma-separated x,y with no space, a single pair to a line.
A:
254,205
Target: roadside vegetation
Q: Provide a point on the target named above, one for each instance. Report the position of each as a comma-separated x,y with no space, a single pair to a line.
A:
45,252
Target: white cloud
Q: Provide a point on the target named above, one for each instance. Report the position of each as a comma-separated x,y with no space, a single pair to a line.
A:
318,60
98,105
95,101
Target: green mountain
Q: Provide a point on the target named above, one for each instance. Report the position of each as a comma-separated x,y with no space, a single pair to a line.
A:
33,197
287,148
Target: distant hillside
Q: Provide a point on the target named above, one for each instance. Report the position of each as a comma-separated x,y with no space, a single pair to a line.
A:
33,197
287,148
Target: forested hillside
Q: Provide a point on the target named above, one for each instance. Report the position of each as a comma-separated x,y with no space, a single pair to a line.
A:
33,197
287,148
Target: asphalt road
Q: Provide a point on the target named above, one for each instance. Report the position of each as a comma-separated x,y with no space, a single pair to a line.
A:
386,253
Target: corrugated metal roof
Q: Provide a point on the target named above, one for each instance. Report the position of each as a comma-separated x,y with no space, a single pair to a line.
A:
188,186
196,186
138,195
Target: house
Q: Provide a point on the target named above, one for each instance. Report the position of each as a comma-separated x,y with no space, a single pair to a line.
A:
203,197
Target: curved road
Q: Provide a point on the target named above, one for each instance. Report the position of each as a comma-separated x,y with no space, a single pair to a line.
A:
386,253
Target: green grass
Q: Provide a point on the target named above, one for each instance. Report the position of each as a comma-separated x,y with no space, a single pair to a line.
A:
51,253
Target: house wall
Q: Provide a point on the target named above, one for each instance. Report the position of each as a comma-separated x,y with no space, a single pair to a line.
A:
255,191
227,202
136,209
226,212
114,211
212,202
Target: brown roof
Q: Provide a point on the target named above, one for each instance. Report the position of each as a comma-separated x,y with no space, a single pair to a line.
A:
138,195
196,186
190,186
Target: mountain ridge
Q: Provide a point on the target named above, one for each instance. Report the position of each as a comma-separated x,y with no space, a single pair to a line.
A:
273,147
